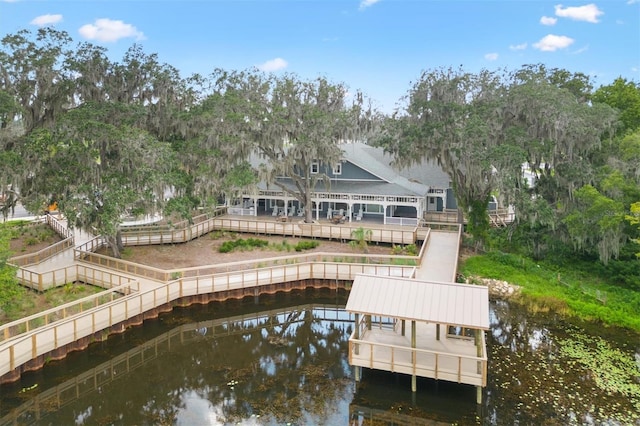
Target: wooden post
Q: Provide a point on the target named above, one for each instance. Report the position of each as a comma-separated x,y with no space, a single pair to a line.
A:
403,328
356,334
367,318
413,356
437,331
479,351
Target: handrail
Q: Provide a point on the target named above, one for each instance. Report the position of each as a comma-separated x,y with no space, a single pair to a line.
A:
162,275
31,322
29,345
47,252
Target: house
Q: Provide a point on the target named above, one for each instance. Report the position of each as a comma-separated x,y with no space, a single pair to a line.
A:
365,184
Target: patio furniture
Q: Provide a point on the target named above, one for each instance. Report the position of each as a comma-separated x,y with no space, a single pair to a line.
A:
338,219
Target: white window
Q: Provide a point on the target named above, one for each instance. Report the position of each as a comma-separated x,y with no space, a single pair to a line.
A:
315,167
337,169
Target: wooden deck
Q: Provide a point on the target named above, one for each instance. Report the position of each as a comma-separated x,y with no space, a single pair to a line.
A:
267,225
449,358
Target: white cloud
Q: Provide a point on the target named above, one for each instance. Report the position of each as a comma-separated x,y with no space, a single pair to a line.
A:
520,46
551,43
366,3
548,20
588,12
273,65
47,19
109,30
491,56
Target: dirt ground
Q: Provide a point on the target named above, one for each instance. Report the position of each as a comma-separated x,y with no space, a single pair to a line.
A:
31,239
204,251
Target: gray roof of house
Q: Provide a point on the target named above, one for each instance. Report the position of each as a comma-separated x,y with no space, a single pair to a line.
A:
426,172
416,180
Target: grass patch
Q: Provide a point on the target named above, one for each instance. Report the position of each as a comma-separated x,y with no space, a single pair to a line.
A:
549,287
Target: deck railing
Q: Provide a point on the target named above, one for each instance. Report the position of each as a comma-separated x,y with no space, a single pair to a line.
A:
420,362
47,337
42,334
48,252
42,281
32,322
121,366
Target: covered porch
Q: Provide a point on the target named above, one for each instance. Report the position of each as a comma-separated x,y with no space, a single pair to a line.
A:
403,210
426,329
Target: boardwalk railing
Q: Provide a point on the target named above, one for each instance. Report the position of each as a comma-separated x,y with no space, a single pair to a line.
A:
32,322
52,250
42,340
40,335
184,231
86,254
497,217
440,365
121,366
42,281
420,362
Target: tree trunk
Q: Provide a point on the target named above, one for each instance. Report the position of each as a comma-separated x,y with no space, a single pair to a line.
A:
113,245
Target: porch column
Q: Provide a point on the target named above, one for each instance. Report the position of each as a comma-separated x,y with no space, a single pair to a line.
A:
403,328
255,206
437,331
414,384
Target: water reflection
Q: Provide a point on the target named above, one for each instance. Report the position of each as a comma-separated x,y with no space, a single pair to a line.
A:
283,359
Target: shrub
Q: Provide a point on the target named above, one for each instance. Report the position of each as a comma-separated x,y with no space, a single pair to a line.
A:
306,245
242,244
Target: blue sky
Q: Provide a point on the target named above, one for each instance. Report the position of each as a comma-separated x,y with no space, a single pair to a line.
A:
377,46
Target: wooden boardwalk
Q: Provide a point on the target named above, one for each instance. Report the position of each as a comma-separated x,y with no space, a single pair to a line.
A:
131,296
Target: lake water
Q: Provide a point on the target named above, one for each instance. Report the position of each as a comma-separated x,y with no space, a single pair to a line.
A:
279,360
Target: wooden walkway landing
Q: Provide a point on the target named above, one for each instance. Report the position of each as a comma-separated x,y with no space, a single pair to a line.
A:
450,359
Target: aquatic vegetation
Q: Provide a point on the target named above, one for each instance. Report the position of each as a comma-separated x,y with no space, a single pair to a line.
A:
612,370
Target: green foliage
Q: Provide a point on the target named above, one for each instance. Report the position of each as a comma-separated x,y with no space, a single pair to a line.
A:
360,239
596,221
307,245
612,370
586,295
242,244
406,250
623,95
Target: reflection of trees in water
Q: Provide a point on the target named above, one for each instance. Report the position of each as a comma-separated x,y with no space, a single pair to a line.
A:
286,366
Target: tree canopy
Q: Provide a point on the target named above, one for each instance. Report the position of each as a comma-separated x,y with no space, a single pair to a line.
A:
106,138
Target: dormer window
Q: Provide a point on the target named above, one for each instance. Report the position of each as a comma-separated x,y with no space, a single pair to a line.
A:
315,167
337,169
